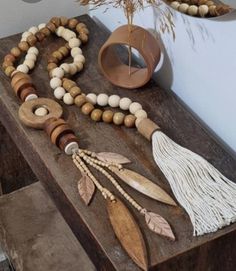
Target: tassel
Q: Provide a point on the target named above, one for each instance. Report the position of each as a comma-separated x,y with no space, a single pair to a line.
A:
208,197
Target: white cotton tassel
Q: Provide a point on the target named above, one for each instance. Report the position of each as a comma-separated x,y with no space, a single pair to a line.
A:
208,197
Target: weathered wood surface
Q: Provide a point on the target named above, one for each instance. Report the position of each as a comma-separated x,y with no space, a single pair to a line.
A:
91,224
35,235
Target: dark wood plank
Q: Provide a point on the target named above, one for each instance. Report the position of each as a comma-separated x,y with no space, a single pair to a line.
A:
35,236
55,170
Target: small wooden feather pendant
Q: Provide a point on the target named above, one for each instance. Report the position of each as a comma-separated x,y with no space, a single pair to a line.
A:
128,232
86,189
143,185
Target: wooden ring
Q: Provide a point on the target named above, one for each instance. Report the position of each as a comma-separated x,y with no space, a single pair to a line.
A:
27,109
59,132
67,139
50,127
115,70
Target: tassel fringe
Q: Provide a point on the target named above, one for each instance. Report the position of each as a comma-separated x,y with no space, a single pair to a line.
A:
208,197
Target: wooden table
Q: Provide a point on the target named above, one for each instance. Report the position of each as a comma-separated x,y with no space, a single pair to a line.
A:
90,224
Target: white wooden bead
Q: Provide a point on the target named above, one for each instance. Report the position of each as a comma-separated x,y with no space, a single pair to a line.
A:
137,121
92,98
23,68
33,50
203,10
79,66
125,103
23,39
31,57
74,42
31,97
102,99
183,7
68,99
79,58
67,35
29,63
65,67
134,107
59,93
55,82
41,111
141,114
193,10
114,100
175,5
33,30
71,147
26,34
40,26
60,30
76,51
58,72
73,69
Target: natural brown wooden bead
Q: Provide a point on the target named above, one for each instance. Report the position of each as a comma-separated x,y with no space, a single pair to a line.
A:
84,30
83,38
80,100
68,84
129,121
40,36
52,59
51,124
21,85
16,52
80,26
67,46
64,51
67,139
72,23
51,27
18,76
59,132
31,40
24,46
75,91
56,21
51,66
57,55
26,91
107,116
10,58
9,70
45,31
64,20
96,114
6,64
87,108
118,118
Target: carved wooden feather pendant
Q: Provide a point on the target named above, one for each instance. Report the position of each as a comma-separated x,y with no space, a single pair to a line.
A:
111,157
143,185
86,189
128,232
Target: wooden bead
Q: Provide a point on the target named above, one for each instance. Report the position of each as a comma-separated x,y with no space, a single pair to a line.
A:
80,100
183,7
83,38
212,10
75,91
203,10
92,98
79,66
84,30
175,5
118,118
80,26
57,55
79,58
51,124
107,116
56,21
65,67
31,56
72,23
59,132
40,36
26,92
76,51
51,27
33,50
58,72
96,114
73,69
74,42
192,10
31,40
55,82
41,111
129,121
33,30
141,114
87,108
16,52
23,46
51,66
23,68
64,20
52,59
68,99
6,64
102,99
59,93
134,107
114,101
40,26
9,70
125,103
45,31
22,84
64,51
10,58
18,76
68,84
67,139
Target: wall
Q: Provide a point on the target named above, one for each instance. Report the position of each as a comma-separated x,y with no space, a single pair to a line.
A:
18,15
199,66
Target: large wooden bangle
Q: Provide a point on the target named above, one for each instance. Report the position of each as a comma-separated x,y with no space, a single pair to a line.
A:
117,72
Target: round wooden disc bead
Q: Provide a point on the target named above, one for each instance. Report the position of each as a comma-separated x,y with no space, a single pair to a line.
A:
57,55
51,27
72,23
118,118
64,20
68,84
80,26
107,116
18,76
64,51
26,92
80,100
10,58
129,121
40,36
59,132
22,84
67,139
45,31
16,52
27,116
75,91
96,114
56,21
87,108
51,66
31,40
52,59
9,70
24,46
83,37
51,124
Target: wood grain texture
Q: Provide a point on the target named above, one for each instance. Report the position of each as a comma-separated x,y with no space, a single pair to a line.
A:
86,189
60,176
35,236
128,233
